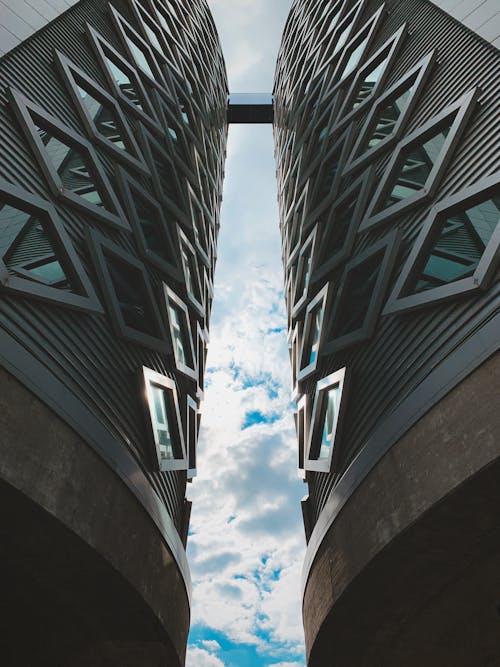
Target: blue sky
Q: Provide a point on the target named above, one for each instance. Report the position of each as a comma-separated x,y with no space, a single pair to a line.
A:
246,543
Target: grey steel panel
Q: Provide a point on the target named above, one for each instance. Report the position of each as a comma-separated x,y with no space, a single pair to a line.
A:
482,16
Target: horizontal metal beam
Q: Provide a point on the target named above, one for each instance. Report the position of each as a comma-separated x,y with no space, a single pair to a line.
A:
250,108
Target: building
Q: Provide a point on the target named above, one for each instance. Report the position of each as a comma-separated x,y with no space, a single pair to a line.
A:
387,147
112,147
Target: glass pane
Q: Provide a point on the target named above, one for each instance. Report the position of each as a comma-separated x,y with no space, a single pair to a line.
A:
354,58
331,411
358,290
314,334
72,168
187,272
338,228
342,39
416,168
50,271
459,243
124,83
160,423
104,119
369,82
139,56
178,332
387,118
304,270
131,293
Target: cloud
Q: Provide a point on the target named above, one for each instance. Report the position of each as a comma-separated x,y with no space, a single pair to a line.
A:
198,657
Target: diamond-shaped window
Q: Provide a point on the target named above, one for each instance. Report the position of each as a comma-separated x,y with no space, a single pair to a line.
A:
360,296
326,421
128,294
420,161
153,232
69,162
313,333
180,333
101,115
330,172
191,273
36,256
457,250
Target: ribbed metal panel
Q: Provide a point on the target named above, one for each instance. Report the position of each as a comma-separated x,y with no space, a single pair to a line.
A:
80,349
404,348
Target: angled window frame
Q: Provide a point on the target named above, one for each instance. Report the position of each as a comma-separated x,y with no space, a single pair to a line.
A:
37,207
150,377
398,302
370,27
420,72
462,111
127,185
71,75
294,345
196,303
100,245
192,422
321,301
175,302
307,248
302,425
363,187
389,245
202,340
391,47
340,379
104,51
344,143
26,113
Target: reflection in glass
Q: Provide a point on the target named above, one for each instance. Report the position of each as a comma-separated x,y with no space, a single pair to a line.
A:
178,334
27,249
416,168
314,334
303,272
354,58
104,119
386,120
160,422
124,83
458,243
139,56
71,166
331,411
369,82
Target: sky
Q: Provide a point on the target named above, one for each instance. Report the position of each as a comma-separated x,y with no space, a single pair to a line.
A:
246,544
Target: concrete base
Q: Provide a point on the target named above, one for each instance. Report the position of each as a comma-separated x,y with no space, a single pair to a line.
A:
86,579
409,572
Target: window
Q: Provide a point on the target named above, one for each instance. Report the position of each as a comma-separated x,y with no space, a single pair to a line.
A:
192,435
356,48
162,409
330,172
37,258
313,333
303,277
69,162
360,296
180,333
457,250
327,414
419,162
128,294
191,273
302,418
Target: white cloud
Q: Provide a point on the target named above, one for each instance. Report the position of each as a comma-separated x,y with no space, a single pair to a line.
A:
198,657
210,645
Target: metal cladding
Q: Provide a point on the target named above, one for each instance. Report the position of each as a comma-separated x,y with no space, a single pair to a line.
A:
113,137
387,151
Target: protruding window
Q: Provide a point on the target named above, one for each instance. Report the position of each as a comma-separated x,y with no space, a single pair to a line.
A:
327,413
457,250
192,423
165,422
417,166
313,334
180,333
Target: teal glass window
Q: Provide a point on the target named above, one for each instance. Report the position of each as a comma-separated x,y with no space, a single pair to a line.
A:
369,82
386,120
104,118
303,273
72,167
330,408
457,246
177,327
416,168
161,423
314,334
139,56
124,83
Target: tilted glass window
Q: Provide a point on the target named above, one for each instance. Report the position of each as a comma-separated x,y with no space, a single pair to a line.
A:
386,120
178,334
314,336
105,120
369,82
124,83
71,166
160,422
457,246
331,405
416,168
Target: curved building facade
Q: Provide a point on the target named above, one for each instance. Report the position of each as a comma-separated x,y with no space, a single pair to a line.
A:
112,146
387,151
